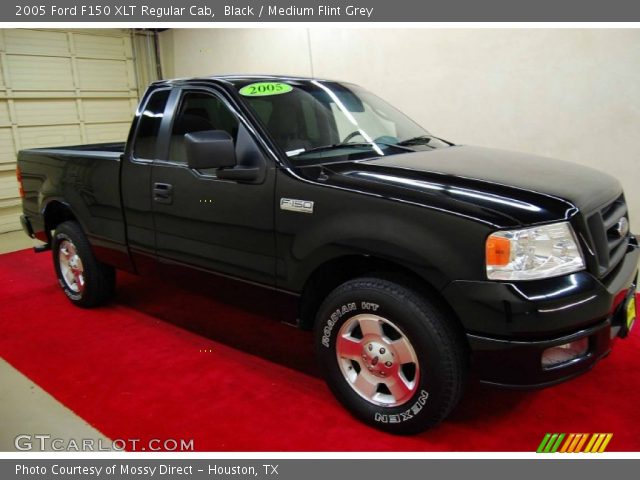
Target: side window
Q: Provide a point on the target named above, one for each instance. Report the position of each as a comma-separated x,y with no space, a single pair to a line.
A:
199,111
147,133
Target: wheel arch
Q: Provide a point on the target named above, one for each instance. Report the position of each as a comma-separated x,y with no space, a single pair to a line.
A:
337,270
54,213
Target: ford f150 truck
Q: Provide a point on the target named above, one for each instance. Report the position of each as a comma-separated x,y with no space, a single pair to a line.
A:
414,260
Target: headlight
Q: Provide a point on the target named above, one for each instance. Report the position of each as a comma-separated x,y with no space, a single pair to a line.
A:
531,253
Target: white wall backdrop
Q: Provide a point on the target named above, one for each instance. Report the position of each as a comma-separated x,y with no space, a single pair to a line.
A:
572,94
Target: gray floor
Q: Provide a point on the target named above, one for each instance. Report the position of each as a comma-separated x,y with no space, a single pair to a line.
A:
12,241
26,409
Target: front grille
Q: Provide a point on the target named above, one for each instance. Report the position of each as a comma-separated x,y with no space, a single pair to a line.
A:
605,228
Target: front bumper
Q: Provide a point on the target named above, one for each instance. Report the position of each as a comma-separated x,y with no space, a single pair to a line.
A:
510,325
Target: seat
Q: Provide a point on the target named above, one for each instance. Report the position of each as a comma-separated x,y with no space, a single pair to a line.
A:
285,124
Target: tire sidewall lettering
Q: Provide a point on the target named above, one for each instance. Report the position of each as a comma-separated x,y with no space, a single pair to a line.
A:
405,415
336,315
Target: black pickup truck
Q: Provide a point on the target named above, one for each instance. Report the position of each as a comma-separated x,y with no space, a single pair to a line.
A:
414,260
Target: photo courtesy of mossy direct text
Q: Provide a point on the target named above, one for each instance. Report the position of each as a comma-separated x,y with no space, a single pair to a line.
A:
125,469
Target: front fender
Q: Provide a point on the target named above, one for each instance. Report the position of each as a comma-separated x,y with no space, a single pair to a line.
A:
428,248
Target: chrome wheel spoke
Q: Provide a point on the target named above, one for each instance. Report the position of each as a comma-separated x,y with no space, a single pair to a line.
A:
370,325
404,351
71,268
79,279
348,347
367,358
399,388
365,385
68,276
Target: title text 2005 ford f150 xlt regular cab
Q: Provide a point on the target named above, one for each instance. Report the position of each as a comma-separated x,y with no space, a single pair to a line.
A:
413,259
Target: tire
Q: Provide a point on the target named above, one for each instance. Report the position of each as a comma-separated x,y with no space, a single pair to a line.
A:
85,281
391,357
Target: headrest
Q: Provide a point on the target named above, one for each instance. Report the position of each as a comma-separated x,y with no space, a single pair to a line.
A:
191,123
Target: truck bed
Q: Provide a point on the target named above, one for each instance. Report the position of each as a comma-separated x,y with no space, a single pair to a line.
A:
86,179
111,150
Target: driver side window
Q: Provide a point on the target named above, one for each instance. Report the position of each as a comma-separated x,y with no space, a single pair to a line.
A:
199,111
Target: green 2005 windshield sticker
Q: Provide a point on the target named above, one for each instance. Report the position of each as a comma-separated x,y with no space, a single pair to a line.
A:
262,89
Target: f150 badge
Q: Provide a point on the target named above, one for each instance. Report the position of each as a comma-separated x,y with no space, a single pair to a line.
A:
295,205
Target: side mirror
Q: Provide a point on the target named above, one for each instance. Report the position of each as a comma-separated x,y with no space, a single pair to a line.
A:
210,149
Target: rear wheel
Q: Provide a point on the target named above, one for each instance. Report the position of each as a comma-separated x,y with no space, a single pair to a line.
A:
390,355
85,281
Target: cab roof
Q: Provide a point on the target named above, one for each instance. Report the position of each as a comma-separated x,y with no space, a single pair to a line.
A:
234,79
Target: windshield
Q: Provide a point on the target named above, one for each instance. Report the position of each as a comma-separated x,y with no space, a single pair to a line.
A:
317,119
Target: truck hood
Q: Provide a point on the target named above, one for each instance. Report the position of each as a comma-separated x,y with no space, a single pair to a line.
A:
500,187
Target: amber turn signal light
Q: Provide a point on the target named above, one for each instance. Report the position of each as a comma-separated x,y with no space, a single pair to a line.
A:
498,251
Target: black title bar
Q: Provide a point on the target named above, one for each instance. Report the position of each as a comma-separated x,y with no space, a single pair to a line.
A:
218,11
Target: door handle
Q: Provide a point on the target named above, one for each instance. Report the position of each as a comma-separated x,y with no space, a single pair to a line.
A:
162,192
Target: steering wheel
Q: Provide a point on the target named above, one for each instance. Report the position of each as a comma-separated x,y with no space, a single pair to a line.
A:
351,135
381,139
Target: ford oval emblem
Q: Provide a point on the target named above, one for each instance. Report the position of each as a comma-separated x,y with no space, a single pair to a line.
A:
622,227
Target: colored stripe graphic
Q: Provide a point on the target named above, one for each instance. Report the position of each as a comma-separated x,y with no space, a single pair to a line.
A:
576,438
608,438
550,443
554,449
567,443
543,443
591,442
582,442
599,440
574,443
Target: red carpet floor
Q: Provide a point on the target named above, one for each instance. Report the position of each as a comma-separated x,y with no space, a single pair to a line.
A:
138,369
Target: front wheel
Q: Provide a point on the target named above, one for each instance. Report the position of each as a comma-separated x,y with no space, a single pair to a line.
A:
85,281
391,356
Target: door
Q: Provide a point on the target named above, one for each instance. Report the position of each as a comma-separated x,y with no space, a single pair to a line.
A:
222,226
135,178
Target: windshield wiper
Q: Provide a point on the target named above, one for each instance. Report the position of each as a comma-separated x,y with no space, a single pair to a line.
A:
336,146
422,140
